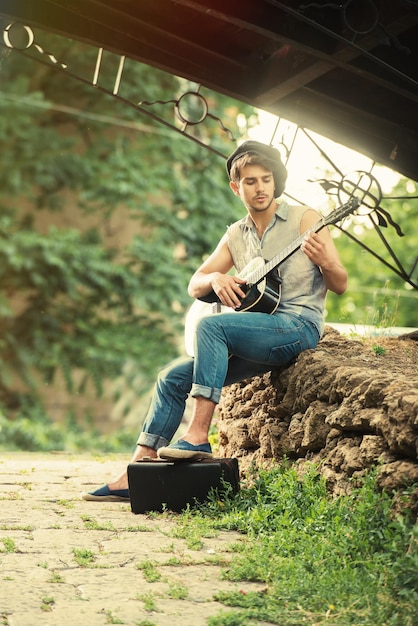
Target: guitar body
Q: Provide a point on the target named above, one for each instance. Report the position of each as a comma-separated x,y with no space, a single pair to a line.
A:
263,297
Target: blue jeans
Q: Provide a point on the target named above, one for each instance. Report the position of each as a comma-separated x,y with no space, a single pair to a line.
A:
257,342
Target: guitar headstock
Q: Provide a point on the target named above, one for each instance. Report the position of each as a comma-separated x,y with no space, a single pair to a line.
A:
342,211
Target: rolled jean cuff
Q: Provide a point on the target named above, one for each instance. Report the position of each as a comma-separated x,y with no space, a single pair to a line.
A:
152,441
210,393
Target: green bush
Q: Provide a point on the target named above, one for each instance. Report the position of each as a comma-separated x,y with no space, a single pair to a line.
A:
33,430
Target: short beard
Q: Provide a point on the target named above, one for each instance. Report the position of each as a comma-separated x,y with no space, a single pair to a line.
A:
258,210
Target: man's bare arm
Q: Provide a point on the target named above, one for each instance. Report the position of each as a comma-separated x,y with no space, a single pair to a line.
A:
320,249
213,274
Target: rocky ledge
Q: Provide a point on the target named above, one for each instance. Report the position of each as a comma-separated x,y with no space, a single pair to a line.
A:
346,406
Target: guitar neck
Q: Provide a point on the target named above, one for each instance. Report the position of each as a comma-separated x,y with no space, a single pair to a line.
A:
260,274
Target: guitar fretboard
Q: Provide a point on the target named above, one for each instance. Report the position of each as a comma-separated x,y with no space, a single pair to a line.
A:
259,274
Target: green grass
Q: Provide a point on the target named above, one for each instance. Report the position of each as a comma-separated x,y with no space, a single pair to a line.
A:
149,569
345,561
7,545
92,524
378,350
83,557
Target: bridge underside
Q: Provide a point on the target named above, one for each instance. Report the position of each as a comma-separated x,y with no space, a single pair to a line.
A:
347,70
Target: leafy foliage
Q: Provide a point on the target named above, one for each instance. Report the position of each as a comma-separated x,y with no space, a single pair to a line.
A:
31,429
64,283
72,300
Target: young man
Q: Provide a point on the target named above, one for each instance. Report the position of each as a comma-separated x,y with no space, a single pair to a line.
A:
233,346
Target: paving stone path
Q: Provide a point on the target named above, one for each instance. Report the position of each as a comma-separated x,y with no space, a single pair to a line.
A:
67,562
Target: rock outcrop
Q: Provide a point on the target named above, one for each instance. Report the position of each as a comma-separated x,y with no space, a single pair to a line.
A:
346,406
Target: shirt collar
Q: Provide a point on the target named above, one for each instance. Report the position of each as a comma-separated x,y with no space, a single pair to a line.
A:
281,212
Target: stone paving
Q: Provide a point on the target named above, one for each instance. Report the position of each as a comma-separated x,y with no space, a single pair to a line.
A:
67,562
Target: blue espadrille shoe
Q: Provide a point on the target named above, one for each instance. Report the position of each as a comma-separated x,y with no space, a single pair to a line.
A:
104,494
183,451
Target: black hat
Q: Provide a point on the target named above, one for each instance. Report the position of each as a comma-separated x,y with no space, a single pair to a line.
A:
267,152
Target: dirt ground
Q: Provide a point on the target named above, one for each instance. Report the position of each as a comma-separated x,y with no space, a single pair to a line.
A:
44,526
394,354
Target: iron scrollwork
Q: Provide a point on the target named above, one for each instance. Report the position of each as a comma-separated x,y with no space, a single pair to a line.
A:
21,39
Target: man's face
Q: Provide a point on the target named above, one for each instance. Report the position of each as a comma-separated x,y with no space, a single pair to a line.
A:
255,188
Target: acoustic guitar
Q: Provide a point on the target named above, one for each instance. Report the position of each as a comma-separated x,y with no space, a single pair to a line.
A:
262,285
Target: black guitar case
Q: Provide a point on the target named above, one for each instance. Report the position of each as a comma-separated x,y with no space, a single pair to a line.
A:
158,485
